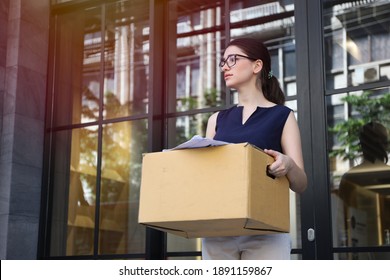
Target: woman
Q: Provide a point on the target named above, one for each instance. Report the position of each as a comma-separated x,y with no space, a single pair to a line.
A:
261,119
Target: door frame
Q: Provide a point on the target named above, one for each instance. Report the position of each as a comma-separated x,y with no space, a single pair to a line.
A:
315,201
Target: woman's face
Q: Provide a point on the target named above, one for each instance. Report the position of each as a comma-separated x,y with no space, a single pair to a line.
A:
242,72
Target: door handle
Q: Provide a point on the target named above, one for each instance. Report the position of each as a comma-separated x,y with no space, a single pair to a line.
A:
311,234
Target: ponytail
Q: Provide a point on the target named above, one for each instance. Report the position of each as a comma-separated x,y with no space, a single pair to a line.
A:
271,88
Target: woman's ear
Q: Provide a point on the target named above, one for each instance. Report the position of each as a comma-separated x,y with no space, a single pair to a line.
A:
258,65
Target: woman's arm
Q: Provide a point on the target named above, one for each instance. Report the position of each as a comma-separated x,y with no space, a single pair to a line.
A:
290,162
211,124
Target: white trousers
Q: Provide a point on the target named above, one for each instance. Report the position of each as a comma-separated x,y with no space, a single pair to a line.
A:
251,247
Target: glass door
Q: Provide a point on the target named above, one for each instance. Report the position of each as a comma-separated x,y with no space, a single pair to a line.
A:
357,70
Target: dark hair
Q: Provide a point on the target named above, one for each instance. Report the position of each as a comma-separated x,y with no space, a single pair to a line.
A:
374,141
267,81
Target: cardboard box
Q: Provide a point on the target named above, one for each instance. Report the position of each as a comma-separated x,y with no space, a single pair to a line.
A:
213,191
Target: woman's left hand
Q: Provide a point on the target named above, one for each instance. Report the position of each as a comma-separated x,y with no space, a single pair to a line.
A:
282,163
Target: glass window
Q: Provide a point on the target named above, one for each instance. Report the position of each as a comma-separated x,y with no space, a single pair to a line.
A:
196,39
74,192
100,84
356,36
76,179
290,62
359,126
358,122
291,89
84,50
123,146
184,127
180,244
77,80
126,59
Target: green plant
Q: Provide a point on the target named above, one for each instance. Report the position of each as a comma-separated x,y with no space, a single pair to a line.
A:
364,108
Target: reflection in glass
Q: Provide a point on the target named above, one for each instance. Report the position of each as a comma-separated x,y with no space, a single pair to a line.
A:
74,192
81,46
356,38
183,128
126,59
360,190
77,83
179,244
123,146
195,75
82,192
89,96
99,65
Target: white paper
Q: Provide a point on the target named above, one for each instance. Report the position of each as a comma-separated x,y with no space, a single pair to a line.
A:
198,142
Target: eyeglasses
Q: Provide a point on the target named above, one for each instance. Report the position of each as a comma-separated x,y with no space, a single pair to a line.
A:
231,60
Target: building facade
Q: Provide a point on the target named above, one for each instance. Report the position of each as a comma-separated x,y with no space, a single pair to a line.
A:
88,86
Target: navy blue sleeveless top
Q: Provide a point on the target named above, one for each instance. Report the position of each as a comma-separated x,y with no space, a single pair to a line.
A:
263,128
